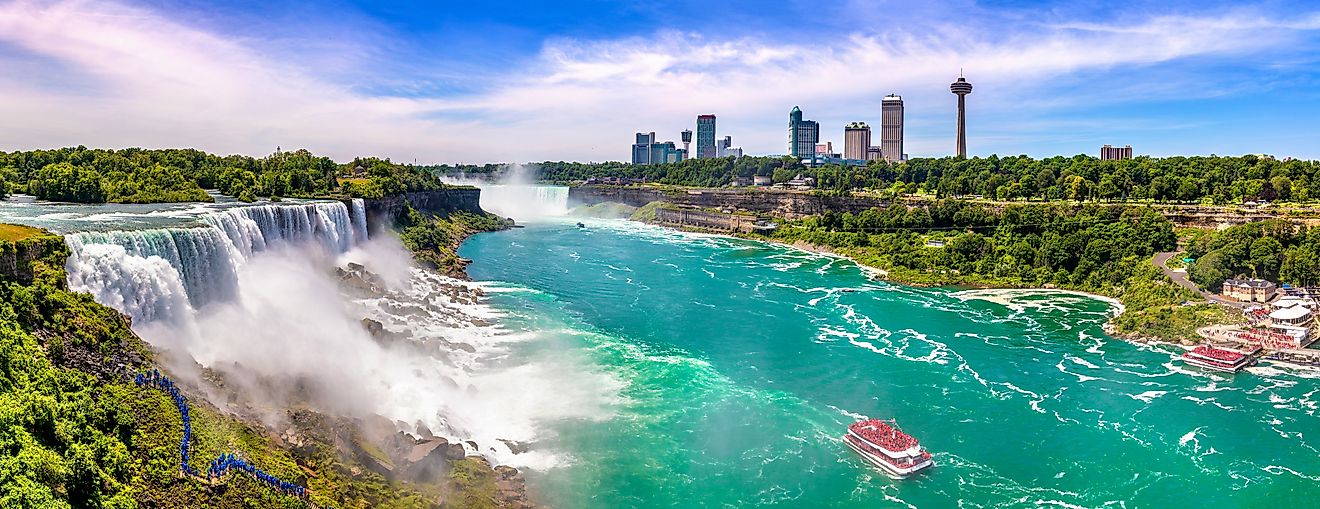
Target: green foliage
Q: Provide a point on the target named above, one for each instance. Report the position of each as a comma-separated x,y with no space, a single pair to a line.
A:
1277,250
1100,249
76,433
135,175
1172,322
646,213
475,483
64,435
1213,179
434,239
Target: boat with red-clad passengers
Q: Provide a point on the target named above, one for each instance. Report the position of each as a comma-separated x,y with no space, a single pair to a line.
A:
1219,359
882,444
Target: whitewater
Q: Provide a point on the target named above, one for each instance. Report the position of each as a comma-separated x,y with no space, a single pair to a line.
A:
740,364
278,298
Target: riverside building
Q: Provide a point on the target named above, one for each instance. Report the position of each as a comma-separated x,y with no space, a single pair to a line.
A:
1249,290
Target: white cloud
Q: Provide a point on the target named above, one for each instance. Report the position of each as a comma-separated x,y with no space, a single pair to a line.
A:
128,76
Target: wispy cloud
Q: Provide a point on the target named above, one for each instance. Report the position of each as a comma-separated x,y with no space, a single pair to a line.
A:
128,76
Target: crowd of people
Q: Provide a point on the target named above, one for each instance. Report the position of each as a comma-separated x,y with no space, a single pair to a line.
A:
156,380
1215,353
882,434
1267,339
222,465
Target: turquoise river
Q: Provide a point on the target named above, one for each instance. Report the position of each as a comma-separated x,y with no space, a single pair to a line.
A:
734,367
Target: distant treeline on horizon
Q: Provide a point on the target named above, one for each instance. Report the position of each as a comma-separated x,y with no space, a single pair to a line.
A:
162,175
1195,179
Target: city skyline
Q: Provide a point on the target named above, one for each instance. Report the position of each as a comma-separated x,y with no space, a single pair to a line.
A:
1174,78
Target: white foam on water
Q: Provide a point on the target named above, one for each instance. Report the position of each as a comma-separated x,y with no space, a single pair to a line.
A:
254,289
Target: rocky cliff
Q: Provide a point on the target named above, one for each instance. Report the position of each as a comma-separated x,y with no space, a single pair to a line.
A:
783,203
16,256
383,210
796,204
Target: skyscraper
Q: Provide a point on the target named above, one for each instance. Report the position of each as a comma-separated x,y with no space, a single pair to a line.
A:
649,151
641,151
687,139
891,128
705,136
962,88
802,136
856,139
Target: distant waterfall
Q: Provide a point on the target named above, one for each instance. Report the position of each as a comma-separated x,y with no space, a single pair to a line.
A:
524,202
152,274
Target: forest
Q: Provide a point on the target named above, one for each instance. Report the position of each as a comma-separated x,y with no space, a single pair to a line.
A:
1093,248
1034,244
1198,179
1277,250
80,174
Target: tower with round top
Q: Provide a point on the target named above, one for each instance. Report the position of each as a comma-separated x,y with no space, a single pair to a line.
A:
961,88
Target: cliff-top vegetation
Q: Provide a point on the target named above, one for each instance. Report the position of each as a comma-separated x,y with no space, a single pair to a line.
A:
80,174
1193,180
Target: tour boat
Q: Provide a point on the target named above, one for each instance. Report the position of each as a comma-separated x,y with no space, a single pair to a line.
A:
881,443
1217,359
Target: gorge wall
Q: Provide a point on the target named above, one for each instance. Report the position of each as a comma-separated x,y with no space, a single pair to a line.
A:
16,257
443,201
783,203
796,204
705,220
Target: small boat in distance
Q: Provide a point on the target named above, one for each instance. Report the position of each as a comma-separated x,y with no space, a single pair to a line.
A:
580,225
881,443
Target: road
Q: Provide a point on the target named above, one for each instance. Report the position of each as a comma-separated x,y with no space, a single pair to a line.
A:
1180,277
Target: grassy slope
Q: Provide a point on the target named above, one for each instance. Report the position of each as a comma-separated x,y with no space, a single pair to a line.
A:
14,232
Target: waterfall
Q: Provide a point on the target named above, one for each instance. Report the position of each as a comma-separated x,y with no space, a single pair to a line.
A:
359,210
524,202
152,274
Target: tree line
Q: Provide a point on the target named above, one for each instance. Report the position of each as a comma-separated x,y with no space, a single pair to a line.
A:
1277,250
1074,246
1197,179
135,175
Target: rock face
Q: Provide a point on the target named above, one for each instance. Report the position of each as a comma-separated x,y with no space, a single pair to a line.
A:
785,203
381,211
16,257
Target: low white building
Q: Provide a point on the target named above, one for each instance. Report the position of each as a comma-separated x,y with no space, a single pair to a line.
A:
1293,316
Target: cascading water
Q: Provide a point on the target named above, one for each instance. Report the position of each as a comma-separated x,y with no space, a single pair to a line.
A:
524,202
141,272
250,291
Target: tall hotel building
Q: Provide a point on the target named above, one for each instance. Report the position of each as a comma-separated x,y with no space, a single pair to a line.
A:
1112,153
891,129
802,136
856,140
706,136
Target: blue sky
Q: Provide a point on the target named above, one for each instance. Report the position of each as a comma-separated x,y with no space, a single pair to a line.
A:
529,81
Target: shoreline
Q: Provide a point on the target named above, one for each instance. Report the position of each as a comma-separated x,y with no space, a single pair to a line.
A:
885,275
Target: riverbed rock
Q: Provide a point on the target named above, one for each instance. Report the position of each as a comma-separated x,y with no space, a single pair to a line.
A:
515,446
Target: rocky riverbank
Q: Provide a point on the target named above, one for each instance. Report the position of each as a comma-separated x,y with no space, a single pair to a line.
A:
413,452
